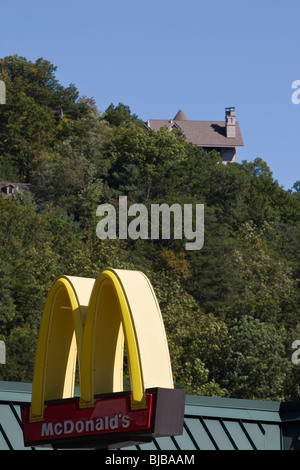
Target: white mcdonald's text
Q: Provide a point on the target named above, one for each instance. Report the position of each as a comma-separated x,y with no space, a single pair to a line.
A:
68,426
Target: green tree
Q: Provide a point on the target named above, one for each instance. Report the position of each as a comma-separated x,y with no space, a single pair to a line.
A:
266,288
7,305
142,162
38,112
254,363
20,345
263,192
120,115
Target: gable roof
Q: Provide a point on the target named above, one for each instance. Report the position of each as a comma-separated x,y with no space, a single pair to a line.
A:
21,186
201,133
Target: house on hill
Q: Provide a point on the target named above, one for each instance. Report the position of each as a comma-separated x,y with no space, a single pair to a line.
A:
223,136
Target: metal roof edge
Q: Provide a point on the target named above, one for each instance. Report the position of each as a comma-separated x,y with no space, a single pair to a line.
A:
25,388
224,402
233,408
7,389
209,422
15,392
16,387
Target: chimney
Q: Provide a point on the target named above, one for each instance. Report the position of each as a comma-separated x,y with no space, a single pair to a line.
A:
230,122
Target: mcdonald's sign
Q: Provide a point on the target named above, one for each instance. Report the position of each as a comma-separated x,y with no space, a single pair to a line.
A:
86,325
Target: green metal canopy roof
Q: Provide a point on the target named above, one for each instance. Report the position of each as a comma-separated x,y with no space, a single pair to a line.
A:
209,423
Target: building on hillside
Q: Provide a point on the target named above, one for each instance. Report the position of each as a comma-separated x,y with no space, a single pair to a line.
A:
223,136
7,190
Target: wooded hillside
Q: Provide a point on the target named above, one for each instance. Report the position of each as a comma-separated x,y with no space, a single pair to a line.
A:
231,309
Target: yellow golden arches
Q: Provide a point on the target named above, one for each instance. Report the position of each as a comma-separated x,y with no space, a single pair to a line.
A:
121,303
109,319
61,334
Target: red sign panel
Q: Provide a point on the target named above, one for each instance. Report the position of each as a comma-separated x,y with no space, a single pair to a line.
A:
65,420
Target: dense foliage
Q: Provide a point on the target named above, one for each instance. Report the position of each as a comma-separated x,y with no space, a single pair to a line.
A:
231,309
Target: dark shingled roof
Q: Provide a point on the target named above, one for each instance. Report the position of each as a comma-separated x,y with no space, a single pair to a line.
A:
202,133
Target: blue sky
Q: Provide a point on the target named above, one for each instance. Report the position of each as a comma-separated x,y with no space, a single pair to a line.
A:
161,56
